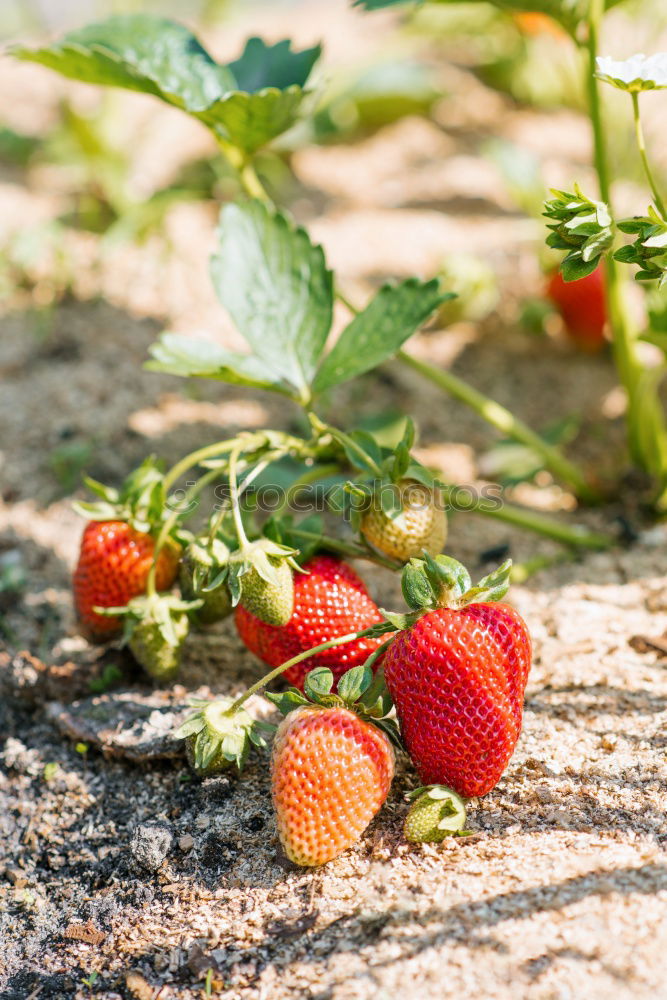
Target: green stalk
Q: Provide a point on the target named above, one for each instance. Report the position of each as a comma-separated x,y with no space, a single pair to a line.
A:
245,170
624,337
501,418
641,145
521,517
340,641
347,548
170,523
234,500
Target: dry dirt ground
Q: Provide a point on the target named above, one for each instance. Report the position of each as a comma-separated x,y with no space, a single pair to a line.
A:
120,876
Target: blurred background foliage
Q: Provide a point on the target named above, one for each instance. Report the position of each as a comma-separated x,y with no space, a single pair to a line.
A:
526,57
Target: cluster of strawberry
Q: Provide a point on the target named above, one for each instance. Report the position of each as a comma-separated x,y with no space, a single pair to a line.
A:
454,666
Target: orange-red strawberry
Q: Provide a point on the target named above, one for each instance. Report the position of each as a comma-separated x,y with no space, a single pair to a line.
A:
330,771
457,676
330,600
113,567
583,307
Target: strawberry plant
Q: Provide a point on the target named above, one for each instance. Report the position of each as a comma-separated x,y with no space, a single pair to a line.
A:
456,666
246,104
456,662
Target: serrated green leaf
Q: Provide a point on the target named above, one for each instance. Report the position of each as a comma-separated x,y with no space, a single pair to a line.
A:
248,103
276,286
250,121
139,52
380,330
177,354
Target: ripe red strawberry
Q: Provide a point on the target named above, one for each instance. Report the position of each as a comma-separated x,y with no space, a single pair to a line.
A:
330,773
457,676
583,307
113,567
330,600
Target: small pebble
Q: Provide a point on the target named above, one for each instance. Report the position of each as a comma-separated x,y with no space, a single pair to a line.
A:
609,741
150,843
186,842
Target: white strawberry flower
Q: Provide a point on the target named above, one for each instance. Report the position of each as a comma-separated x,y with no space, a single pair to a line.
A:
635,74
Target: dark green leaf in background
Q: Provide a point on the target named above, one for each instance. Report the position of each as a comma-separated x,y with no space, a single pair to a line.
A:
248,103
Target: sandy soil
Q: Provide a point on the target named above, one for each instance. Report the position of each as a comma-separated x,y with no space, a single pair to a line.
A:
112,859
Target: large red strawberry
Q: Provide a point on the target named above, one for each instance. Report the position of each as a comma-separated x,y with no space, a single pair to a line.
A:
331,769
457,675
113,567
583,307
330,600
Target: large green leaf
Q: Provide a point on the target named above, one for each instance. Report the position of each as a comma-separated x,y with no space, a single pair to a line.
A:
154,55
250,121
277,288
378,332
177,354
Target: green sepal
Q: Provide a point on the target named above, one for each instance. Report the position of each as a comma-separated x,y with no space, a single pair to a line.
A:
218,739
443,582
357,690
140,501
582,226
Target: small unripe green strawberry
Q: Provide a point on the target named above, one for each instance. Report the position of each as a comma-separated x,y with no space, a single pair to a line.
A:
420,525
202,562
260,579
156,626
436,812
161,658
272,602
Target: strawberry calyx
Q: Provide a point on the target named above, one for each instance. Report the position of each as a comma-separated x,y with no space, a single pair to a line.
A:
443,582
140,501
202,576
358,690
436,812
220,736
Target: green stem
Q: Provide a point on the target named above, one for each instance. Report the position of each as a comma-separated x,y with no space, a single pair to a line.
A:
194,458
249,441
171,522
340,641
245,170
346,548
627,362
234,500
498,416
639,133
321,428
501,418
521,517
